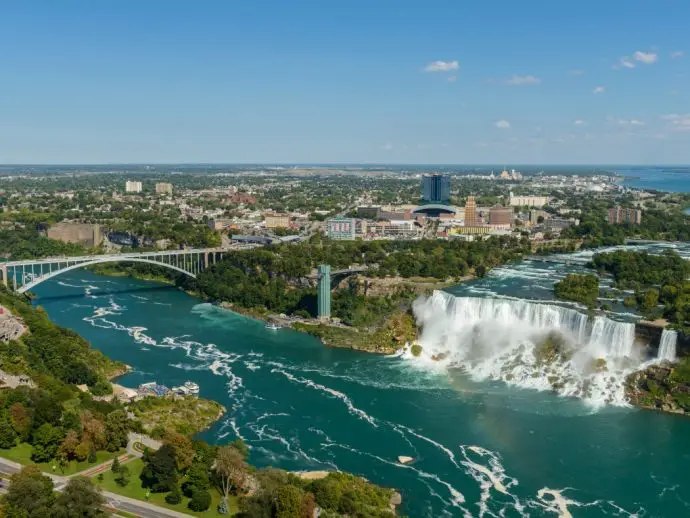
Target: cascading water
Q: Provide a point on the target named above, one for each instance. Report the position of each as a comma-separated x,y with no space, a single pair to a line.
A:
532,345
667,346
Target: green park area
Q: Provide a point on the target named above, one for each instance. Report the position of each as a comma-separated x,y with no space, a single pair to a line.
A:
134,489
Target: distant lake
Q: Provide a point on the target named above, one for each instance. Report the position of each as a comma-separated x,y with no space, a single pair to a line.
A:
671,179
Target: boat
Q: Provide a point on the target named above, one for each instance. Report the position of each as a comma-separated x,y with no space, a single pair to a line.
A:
272,326
191,387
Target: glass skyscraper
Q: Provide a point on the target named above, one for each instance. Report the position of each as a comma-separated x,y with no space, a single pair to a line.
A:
436,188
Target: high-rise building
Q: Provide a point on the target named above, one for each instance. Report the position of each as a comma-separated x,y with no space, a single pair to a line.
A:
499,215
164,188
619,215
132,186
436,188
471,212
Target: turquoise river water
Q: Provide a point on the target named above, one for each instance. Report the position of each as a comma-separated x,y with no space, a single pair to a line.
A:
483,445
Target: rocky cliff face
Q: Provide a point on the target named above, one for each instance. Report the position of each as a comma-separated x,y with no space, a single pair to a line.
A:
665,387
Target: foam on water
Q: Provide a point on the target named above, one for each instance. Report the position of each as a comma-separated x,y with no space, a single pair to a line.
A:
502,339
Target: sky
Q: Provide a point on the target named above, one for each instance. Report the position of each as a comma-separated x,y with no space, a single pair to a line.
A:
359,81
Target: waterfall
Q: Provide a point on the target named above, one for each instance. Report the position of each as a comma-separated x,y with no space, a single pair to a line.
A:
667,346
532,345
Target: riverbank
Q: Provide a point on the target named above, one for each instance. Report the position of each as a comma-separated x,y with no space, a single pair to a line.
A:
664,387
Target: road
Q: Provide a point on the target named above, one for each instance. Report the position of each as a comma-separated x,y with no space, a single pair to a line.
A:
118,502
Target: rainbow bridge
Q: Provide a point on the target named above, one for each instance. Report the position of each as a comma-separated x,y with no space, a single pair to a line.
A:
21,276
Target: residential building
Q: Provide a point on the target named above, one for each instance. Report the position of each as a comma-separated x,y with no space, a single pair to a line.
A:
132,186
499,215
436,188
164,188
620,215
342,229
86,234
528,201
471,212
276,220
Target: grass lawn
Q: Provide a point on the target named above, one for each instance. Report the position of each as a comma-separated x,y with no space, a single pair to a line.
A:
134,490
22,454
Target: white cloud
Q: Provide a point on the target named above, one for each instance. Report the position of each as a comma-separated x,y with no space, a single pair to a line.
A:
677,54
599,90
523,80
630,122
626,63
645,57
442,66
502,124
580,122
678,122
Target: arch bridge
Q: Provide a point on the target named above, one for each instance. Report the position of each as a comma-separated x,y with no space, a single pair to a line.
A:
21,276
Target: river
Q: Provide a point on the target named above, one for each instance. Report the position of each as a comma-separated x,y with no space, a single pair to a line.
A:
482,444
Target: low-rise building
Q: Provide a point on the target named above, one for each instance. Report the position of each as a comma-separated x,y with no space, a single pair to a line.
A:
83,233
499,215
219,224
528,201
276,220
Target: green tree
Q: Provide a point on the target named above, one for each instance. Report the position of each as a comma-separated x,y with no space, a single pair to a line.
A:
122,477
160,470
8,436
46,441
116,429
79,499
287,501
115,466
30,494
201,501
92,455
197,478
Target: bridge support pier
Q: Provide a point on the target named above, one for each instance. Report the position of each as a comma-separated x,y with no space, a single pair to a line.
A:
4,275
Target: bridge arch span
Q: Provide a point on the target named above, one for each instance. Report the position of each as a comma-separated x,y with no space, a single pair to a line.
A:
114,259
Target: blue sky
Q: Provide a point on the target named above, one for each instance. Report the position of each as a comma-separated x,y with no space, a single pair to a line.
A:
387,81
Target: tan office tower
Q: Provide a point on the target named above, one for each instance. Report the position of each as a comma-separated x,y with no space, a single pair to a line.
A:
470,212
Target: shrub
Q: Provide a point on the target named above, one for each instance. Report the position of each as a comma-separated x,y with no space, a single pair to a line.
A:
201,501
174,497
416,350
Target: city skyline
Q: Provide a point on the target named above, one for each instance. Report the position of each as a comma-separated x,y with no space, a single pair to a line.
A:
390,83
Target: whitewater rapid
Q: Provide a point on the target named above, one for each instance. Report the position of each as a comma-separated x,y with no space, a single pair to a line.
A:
531,345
